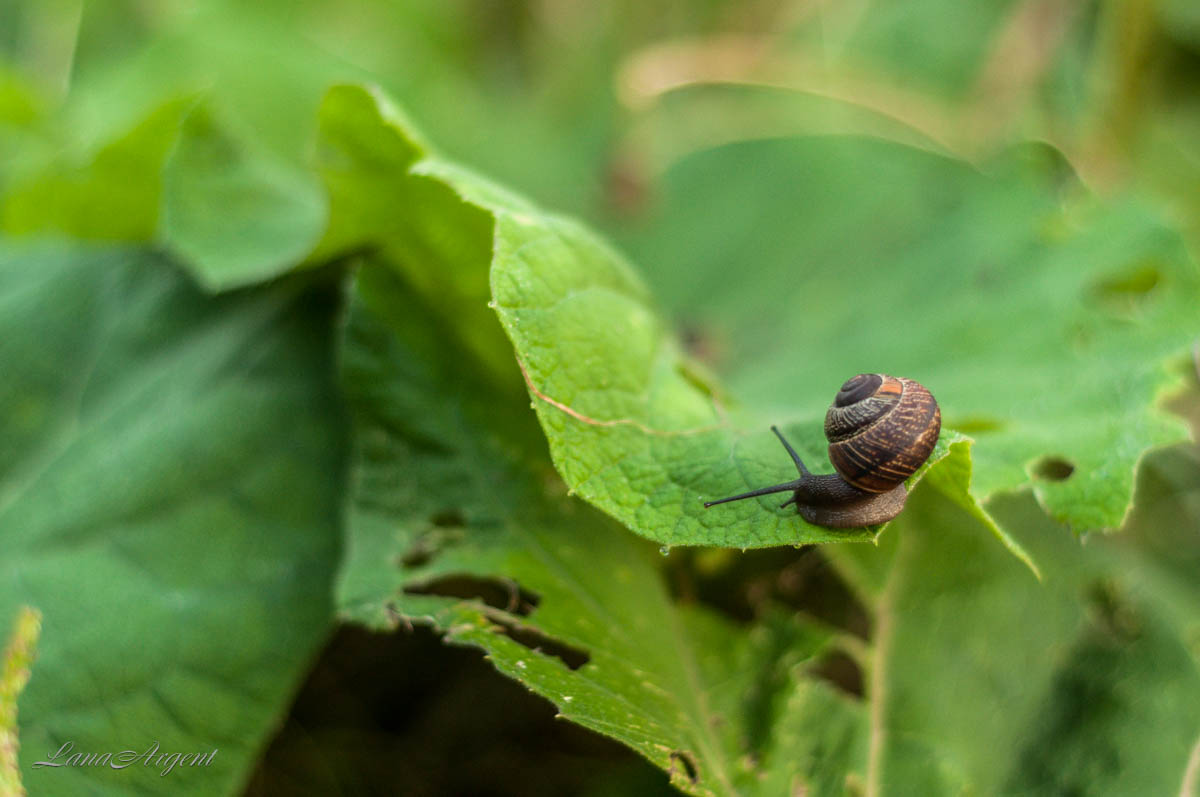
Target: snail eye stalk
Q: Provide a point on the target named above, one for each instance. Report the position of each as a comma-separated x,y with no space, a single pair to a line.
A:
774,488
795,457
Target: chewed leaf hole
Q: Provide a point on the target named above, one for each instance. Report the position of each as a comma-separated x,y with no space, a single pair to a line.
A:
424,547
1125,292
448,518
1053,469
744,586
1138,281
974,424
685,762
498,593
842,672
418,555
535,640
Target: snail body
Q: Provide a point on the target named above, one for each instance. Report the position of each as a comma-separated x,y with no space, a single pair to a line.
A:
881,429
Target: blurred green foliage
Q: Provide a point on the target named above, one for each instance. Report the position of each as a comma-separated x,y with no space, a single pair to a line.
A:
254,388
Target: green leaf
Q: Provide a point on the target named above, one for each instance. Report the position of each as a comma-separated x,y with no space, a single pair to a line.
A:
457,521
113,196
20,107
455,524
973,675
952,477
938,44
982,680
235,216
1041,317
634,426
21,113
170,503
258,67
368,155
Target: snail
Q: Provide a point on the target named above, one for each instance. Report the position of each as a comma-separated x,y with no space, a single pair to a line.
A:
880,430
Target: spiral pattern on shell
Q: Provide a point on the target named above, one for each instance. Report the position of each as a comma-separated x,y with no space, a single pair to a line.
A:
880,430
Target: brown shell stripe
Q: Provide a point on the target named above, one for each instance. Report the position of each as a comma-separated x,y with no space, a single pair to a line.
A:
910,450
854,461
893,449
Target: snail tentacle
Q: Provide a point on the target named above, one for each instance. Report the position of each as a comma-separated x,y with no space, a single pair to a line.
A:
774,488
795,457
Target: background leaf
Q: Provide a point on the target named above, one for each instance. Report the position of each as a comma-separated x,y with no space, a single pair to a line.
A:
1093,659
559,596
183,590
113,195
1100,291
236,217
633,426
561,600
1040,317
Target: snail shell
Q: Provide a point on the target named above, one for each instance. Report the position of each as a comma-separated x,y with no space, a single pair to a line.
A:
880,430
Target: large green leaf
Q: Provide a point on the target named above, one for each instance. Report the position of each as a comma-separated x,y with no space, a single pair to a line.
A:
1042,318
457,521
169,501
1099,291
979,680
939,45
634,426
368,155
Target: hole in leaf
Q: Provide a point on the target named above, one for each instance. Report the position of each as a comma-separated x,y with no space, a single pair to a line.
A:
1125,292
437,701
842,672
1186,403
424,547
689,765
535,640
419,554
1053,469
498,593
974,424
397,618
744,585
448,518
